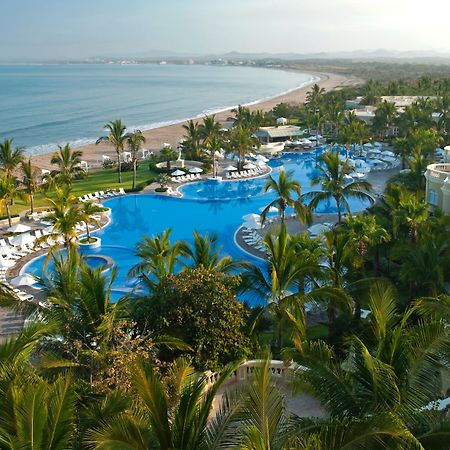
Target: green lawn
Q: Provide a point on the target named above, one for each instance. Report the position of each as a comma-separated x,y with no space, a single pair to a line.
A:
99,180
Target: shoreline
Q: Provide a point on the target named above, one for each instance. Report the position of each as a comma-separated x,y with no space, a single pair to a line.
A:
172,133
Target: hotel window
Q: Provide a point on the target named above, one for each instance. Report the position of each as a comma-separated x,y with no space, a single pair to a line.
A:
432,197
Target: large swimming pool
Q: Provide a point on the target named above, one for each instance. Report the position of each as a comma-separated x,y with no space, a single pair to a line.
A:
206,206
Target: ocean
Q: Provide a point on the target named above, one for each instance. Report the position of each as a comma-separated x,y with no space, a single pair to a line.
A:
45,105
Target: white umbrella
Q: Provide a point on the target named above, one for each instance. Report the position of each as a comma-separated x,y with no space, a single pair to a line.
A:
19,228
378,144
272,209
251,216
24,280
357,175
262,158
230,168
306,142
376,161
22,239
368,145
249,166
6,263
177,173
375,152
364,169
196,170
252,225
347,177
387,153
318,228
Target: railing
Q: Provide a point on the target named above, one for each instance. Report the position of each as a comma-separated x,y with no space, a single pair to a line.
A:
439,171
278,369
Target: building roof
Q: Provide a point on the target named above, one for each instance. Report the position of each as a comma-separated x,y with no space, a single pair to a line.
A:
279,132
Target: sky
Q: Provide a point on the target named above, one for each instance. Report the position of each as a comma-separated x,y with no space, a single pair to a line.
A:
49,29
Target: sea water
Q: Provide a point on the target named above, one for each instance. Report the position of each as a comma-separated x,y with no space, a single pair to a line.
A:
45,105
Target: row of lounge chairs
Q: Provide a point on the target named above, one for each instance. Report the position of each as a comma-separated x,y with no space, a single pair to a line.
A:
102,194
38,216
188,177
253,239
244,174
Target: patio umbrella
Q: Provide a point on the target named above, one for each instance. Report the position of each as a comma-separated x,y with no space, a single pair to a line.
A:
387,153
251,217
230,168
196,170
375,152
272,209
376,161
357,175
306,142
318,228
368,145
249,166
24,280
177,173
19,228
22,239
262,158
6,263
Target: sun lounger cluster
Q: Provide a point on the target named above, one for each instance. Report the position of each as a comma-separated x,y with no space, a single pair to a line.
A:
253,239
102,195
39,216
244,173
188,177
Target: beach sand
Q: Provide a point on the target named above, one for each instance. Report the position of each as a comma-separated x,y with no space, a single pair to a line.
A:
172,134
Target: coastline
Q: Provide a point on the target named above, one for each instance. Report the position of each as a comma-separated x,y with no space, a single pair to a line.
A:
174,132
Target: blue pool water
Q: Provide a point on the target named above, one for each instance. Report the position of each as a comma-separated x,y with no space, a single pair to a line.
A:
206,207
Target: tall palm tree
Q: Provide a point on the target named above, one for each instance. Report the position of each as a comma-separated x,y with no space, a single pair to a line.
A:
192,138
69,165
385,116
205,252
65,215
283,188
8,192
315,96
402,149
30,181
158,257
179,418
331,177
242,142
117,137
209,130
10,158
135,141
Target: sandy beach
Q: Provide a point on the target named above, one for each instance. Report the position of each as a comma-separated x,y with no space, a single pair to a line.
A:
172,134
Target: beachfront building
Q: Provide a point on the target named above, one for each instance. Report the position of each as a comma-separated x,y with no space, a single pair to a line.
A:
278,134
438,184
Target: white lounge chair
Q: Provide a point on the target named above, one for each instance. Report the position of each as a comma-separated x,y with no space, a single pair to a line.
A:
122,191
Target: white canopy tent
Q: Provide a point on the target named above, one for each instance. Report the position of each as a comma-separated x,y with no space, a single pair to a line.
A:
177,173
195,170
22,239
24,280
230,168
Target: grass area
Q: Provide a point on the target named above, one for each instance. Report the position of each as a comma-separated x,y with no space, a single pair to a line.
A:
98,180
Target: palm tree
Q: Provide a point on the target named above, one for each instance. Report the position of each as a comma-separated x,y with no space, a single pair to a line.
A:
179,418
168,154
385,116
365,234
87,212
192,138
402,149
117,137
206,253
65,215
242,141
38,414
283,188
331,177
209,130
158,257
390,373
10,158
69,165
30,180
8,192
315,96
135,141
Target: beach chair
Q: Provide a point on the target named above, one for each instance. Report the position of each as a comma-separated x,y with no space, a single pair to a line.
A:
122,191
102,194
199,177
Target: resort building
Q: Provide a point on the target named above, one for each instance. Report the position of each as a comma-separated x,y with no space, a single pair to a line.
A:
438,184
278,134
